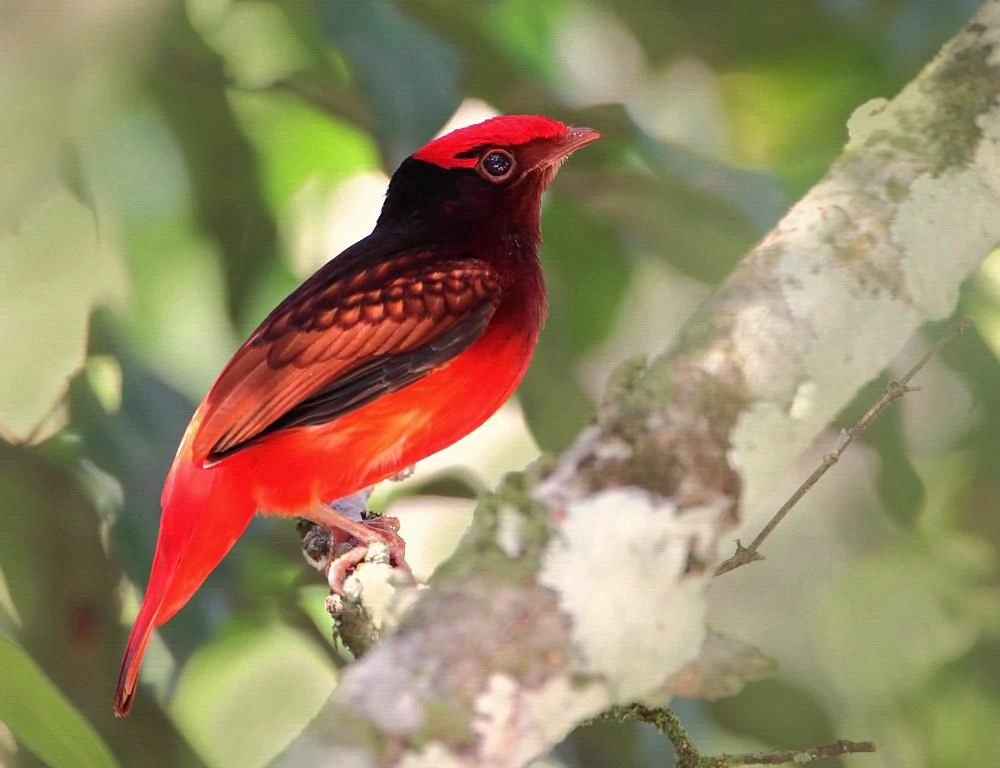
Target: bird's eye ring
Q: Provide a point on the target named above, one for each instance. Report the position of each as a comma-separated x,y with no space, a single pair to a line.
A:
496,165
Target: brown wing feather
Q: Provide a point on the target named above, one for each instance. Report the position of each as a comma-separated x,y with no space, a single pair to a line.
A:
376,330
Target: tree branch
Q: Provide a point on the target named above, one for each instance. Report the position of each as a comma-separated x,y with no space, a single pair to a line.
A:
688,756
580,585
790,756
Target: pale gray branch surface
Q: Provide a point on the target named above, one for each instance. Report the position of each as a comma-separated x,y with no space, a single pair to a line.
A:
581,586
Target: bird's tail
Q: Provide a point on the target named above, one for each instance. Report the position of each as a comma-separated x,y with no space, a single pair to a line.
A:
138,639
202,519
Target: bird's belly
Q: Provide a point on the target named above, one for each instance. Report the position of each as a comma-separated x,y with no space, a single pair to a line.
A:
298,468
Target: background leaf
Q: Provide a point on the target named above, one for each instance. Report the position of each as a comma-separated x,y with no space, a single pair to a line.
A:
410,78
52,272
190,84
42,718
65,590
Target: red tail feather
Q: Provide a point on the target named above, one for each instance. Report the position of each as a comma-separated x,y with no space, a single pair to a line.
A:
201,521
138,639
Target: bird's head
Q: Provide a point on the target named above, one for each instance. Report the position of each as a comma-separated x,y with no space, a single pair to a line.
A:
485,177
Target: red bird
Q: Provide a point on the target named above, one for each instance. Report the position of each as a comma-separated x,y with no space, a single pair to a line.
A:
401,345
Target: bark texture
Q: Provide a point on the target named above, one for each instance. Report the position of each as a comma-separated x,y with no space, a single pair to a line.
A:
580,585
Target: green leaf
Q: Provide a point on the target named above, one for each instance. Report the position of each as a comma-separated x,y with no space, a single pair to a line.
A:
555,405
895,618
255,39
956,721
244,696
776,712
135,444
296,143
698,232
66,593
588,270
526,30
787,109
407,73
756,195
52,273
220,162
42,718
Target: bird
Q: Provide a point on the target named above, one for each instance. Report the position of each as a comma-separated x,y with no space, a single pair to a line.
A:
396,348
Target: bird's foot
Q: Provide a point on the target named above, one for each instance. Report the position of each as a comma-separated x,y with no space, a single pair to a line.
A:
342,567
388,527
381,544
350,531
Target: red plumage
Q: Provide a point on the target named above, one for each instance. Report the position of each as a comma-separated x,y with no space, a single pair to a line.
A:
449,150
400,346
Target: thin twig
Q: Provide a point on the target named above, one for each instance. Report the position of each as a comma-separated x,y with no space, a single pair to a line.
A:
666,722
688,756
893,392
796,756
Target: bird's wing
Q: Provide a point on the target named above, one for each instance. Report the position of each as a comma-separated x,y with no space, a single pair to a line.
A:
335,345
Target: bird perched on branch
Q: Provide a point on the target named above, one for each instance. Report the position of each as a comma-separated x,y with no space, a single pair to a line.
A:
401,345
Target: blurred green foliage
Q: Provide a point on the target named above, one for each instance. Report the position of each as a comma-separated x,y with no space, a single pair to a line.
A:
169,171
47,723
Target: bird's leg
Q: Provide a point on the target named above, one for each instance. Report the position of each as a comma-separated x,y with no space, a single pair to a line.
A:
334,559
344,517
321,543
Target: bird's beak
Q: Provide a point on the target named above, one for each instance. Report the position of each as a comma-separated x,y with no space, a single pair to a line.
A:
545,157
561,148
576,138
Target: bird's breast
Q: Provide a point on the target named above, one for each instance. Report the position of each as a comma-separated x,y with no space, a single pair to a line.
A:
450,402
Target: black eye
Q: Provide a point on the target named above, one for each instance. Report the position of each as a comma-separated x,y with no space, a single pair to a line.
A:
497,164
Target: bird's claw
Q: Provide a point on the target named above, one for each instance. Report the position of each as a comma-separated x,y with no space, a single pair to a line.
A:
385,530
341,567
